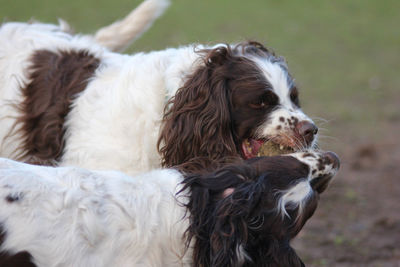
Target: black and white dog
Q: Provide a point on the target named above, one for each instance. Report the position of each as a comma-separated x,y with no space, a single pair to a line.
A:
66,100
240,215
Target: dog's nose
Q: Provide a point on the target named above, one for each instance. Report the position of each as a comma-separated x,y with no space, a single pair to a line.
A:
333,159
307,130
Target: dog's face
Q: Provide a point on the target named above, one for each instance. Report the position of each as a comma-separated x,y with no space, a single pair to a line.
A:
241,98
265,105
246,214
291,198
292,179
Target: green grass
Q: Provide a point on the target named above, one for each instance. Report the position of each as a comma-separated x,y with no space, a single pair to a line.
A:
345,54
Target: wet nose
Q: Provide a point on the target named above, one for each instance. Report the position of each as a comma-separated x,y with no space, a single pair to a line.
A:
307,130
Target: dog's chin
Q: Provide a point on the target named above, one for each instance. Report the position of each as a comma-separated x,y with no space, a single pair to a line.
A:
251,148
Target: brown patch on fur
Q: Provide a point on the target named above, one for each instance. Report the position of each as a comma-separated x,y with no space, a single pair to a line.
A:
55,79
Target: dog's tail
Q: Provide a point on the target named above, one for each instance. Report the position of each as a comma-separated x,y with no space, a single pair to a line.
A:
119,35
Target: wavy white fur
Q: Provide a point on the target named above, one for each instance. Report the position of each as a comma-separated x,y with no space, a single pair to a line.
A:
122,91
75,217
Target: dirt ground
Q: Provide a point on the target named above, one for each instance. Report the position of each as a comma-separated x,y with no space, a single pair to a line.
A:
357,222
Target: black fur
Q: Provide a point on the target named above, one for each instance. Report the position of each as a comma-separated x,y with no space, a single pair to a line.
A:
222,223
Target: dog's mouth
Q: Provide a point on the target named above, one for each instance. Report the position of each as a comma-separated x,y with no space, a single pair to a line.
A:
264,147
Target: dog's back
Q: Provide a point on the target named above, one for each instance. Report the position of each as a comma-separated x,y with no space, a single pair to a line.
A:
60,92
18,42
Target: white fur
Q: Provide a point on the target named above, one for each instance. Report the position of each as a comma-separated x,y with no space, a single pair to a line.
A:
294,197
75,217
298,194
121,34
119,112
312,159
115,121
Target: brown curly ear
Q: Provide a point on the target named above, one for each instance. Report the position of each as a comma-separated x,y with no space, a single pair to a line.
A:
198,121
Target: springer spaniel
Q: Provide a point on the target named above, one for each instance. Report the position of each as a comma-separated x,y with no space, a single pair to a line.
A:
241,215
66,100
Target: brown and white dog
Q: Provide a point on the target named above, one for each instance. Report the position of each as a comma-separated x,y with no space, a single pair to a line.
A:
241,215
68,100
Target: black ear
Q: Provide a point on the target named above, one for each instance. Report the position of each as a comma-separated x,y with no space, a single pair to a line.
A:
229,235
218,222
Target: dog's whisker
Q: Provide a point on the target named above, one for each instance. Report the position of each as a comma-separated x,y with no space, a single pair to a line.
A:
320,120
328,137
321,129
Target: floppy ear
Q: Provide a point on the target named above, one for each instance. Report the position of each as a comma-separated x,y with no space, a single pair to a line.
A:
197,120
218,221
229,234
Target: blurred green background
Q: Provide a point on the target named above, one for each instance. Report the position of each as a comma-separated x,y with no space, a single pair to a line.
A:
345,56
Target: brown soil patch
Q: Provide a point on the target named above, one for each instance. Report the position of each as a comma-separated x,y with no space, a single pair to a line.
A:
357,222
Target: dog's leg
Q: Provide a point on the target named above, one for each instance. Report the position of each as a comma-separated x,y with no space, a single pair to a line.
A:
119,35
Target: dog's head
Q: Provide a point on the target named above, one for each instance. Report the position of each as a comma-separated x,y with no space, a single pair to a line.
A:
238,99
246,214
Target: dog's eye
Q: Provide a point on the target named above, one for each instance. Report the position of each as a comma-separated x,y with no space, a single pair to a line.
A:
294,96
258,104
269,99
